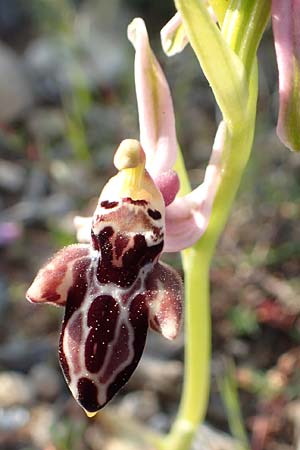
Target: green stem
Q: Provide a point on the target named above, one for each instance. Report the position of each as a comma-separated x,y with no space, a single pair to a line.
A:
196,264
197,337
196,261
196,267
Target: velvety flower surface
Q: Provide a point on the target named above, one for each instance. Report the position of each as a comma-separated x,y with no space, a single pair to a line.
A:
113,288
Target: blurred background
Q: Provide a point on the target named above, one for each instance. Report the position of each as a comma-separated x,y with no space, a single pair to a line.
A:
67,99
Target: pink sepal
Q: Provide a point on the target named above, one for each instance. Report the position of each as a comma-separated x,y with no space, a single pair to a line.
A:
164,298
168,35
187,217
53,281
155,107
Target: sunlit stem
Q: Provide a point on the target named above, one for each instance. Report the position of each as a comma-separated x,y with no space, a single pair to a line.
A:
196,264
197,260
197,351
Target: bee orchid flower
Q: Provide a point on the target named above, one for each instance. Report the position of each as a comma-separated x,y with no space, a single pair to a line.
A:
112,284
113,288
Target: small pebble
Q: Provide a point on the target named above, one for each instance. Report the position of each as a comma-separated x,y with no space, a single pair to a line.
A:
15,389
12,419
142,404
46,381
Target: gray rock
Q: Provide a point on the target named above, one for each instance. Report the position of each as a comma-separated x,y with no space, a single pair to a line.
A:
22,354
42,419
208,438
52,206
58,66
157,375
47,124
142,404
12,176
46,381
15,89
14,418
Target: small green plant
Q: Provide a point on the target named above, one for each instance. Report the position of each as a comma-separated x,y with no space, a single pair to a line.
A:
229,393
243,320
65,434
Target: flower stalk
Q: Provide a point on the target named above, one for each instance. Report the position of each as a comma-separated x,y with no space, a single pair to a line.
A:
236,96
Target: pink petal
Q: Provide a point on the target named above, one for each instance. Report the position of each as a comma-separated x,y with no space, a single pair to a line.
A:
187,217
168,184
156,115
286,29
164,298
53,281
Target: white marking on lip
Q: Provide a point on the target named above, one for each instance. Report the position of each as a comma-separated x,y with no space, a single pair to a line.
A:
95,289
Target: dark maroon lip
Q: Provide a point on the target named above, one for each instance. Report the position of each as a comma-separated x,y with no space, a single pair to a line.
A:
113,289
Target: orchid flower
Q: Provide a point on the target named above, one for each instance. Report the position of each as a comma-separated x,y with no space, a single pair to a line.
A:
113,288
286,29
